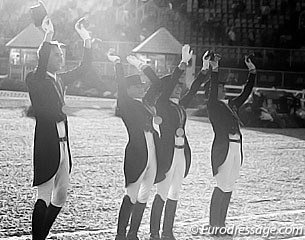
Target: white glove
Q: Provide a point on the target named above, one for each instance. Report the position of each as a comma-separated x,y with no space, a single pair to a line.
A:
135,62
214,63
81,30
113,58
186,53
205,61
249,64
47,25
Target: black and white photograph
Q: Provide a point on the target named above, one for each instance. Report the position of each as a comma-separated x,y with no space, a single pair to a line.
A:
152,119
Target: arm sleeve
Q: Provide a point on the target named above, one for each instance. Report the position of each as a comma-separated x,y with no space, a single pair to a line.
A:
239,100
169,86
43,58
152,76
155,88
186,100
213,95
80,71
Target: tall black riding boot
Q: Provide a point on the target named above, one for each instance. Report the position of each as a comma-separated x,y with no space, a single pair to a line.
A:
224,208
215,207
51,215
155,217
169,217
38,217
136,219
124,215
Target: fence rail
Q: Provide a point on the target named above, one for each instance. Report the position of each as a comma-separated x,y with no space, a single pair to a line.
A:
267,59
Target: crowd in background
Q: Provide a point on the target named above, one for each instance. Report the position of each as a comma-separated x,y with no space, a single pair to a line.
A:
118,21
134,27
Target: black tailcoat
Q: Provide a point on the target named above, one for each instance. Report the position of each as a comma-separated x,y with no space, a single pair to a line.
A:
47,98
137,119
169,111
224,119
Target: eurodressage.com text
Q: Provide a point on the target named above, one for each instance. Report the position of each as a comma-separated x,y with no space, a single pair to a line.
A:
247,231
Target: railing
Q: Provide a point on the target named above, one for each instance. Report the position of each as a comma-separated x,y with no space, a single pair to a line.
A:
265,78
232,57
265,58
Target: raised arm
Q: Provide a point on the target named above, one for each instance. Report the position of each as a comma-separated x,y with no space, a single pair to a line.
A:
168,86
152,76
45,48
119,73
201,77
164,87
154,90
80,71
143,67
213,95
239,100
44,98
171,81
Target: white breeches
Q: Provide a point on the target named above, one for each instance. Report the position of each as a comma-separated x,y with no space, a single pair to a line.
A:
55,190
228,172
140,190
171,185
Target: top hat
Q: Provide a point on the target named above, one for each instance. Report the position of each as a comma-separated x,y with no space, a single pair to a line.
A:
38,13
133,80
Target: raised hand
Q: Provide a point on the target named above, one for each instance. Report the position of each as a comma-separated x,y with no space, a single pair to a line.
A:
215,62
135,62
81,30
47,25
112,57
186,53
205,61
250,64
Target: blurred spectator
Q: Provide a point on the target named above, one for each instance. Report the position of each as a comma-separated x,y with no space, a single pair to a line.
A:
232,36
232,79
211,2
265,11
201,4
235,9
238,6
251,39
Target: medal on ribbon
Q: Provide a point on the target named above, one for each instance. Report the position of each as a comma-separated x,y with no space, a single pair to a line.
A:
65,109
180,132
157,120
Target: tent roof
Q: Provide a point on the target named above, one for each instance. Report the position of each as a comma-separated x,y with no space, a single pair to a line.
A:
30,37
161,42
